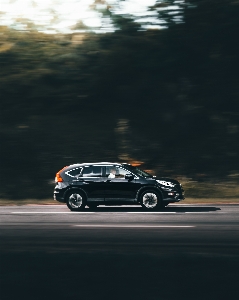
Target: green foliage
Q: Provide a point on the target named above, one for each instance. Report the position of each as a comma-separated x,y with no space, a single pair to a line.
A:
167,98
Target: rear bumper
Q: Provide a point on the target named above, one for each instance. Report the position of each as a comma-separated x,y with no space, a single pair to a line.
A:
58,197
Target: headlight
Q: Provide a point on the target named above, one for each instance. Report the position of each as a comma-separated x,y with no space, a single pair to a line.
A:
165,183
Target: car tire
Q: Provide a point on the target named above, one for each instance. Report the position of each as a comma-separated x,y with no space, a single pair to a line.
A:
150,200
76,200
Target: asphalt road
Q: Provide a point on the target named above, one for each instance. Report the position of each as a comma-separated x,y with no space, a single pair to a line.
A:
183,252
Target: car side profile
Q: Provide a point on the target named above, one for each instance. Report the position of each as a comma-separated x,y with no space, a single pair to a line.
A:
106,183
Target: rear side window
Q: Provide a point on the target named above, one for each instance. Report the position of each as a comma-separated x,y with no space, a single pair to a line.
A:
74,172
92,171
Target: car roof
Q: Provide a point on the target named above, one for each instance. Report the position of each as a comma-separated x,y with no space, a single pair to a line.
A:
94,163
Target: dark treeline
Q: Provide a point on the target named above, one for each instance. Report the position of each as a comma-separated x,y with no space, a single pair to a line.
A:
167,98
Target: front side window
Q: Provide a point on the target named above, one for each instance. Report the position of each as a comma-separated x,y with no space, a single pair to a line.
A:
115,172
92,171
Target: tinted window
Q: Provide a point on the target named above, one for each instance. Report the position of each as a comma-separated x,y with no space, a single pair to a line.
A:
92,171
115,172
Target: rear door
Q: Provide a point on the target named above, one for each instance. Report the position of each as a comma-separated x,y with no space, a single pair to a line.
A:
91,179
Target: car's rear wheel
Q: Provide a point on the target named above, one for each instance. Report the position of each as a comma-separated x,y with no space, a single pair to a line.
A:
150,200
76,200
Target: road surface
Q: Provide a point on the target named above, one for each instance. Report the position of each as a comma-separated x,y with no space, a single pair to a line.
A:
184,252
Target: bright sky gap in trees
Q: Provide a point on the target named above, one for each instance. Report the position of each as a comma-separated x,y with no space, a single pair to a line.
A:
59,16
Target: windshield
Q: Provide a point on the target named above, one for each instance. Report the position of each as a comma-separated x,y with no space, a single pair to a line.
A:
138,172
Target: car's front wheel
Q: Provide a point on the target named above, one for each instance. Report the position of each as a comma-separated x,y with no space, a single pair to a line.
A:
76,201
150,200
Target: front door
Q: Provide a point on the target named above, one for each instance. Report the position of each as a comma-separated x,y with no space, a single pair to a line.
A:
117,188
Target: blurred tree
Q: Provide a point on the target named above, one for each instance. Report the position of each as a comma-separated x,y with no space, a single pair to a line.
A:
62,97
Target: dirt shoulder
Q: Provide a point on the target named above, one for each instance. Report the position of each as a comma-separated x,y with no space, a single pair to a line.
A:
214,201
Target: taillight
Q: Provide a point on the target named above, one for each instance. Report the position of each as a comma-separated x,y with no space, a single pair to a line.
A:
58,177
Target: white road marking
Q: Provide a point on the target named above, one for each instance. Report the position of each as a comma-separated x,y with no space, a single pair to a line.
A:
53,212
151,212
109,212
133,226
199,212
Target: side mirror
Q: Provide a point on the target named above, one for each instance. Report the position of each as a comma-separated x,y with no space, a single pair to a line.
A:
129,177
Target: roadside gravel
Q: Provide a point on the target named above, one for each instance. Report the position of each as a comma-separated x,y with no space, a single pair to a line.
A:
4,202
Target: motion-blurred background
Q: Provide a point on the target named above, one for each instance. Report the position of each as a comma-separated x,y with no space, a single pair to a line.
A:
153,83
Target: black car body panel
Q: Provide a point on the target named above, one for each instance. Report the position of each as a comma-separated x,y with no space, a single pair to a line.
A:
99,186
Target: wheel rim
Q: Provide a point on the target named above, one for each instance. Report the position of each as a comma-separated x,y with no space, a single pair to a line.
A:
150,200
75,200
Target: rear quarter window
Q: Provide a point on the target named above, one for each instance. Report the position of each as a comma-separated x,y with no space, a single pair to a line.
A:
92,171
74,172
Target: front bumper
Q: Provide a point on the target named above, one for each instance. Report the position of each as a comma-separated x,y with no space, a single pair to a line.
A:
173,195
172,200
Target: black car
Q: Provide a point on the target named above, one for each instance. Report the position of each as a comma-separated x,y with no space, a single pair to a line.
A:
93,184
